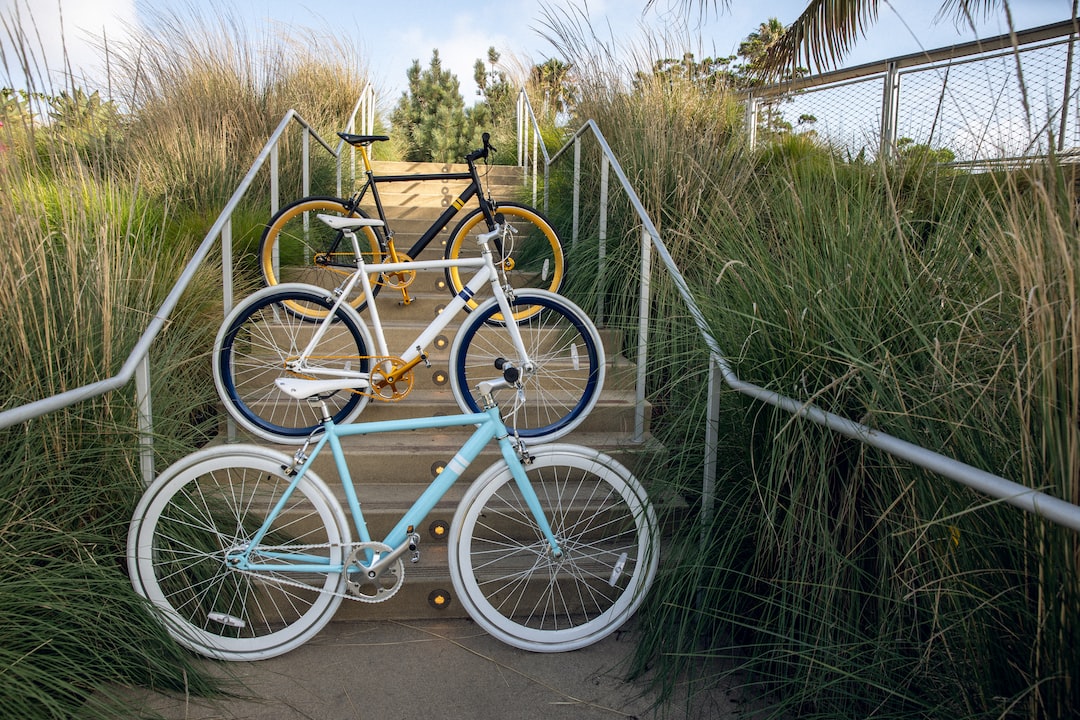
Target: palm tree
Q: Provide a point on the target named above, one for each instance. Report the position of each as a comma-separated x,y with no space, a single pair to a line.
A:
828,29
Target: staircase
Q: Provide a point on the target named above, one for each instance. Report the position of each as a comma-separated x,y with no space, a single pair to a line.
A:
391,470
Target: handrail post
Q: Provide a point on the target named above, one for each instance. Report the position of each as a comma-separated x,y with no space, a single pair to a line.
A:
305,144
601,269
577,193
146,419
536,160
712,444
643,335
226,265
520,129
275,189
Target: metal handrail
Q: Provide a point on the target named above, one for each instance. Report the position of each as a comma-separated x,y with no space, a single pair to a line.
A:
528,128
137,364
1033,501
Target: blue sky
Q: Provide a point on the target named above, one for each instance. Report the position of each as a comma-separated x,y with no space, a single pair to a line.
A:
391,35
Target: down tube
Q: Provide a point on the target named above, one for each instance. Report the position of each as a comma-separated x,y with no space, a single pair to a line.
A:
489,425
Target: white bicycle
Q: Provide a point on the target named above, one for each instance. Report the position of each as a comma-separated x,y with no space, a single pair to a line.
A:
552,354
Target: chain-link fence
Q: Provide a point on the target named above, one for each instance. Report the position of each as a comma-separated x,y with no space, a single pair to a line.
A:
976,104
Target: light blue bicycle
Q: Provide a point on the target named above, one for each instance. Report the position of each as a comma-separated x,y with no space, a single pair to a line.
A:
246,553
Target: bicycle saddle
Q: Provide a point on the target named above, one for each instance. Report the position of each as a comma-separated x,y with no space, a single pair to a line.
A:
361,139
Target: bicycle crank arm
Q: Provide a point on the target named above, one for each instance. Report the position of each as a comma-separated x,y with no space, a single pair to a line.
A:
384,563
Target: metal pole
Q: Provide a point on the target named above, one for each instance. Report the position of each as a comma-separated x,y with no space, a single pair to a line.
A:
1068,83
751,121
712,435
890,103
275,190
305,141
146,419
535,159
520,130
601,270
227,265
577,191
643,336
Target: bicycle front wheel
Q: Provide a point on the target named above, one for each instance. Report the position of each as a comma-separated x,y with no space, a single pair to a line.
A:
568,364
258,340
530,255
506,575
297,247
210,505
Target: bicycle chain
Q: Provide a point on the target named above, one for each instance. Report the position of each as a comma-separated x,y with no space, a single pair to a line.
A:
294,583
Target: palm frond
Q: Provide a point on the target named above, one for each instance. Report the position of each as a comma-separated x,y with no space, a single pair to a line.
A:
820,36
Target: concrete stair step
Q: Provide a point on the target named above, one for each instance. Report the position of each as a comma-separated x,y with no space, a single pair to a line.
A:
415,457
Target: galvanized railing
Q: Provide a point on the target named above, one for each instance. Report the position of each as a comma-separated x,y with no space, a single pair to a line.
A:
137,364
721,372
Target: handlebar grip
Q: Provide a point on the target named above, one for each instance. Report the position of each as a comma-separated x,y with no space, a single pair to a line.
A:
510,373
482,152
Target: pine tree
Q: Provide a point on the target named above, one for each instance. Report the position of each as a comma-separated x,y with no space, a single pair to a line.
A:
431,115
496,108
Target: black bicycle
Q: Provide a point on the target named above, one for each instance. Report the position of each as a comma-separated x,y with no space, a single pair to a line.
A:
297,248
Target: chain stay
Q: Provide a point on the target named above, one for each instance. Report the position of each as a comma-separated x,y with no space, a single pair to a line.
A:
351,547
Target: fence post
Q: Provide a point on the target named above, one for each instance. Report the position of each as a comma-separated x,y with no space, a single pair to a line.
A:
751,120
890,104
1067,94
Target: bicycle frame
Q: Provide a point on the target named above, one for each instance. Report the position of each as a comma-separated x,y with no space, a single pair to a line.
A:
489,427
485,274
373,180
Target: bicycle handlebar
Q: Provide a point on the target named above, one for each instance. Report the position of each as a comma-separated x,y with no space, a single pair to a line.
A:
482,152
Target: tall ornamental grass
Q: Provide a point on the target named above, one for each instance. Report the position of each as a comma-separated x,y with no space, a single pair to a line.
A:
836,581
206,92
86,263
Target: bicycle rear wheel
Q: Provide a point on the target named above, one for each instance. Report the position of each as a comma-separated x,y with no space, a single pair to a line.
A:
297,247
210,504
568,364
504,572
531,256
261,335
